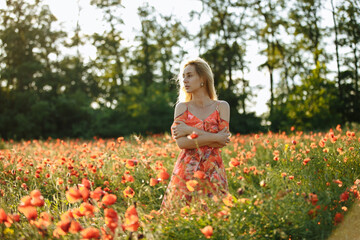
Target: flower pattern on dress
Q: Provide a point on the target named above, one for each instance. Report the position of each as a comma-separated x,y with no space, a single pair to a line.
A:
205,158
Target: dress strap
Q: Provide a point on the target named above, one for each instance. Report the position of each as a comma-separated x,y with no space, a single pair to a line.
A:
217,106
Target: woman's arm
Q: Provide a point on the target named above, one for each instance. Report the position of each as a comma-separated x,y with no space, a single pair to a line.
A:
206,139
181,131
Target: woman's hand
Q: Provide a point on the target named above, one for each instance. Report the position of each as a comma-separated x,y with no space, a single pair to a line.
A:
180,129
223,137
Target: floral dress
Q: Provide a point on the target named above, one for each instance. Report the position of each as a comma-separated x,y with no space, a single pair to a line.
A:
205,159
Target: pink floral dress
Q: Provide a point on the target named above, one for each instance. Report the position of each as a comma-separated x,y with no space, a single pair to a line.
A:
206,159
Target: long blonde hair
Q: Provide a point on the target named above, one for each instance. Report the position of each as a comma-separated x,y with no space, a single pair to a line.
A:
203,69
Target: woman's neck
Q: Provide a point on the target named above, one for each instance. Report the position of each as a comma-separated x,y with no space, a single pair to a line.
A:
201,99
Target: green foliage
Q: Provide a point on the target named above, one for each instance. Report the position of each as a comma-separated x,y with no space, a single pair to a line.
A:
311,105
281,185
44,92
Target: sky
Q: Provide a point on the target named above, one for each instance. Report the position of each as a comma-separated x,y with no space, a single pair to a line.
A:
90,20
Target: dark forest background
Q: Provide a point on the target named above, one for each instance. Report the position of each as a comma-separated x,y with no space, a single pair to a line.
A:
132,89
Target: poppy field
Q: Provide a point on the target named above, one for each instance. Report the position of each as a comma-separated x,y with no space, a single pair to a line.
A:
292,185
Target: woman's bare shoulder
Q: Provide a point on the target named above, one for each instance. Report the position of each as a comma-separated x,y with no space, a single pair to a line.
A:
223,104
224,110
180,108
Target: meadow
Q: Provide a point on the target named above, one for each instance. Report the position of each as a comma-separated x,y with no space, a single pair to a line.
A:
292,185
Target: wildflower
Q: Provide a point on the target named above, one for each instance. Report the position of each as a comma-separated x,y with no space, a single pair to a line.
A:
27,208
193,135
313,198
207,231
86,209
131,220
191,184
200,175
262,183
3,216
62,228
90,233
127,178
7,219
77,213
228,200
338,182
153,182
109,199
234,162
75,227
111,219
163,175
306,160
59,181
73,195
344,196
44,221
37,199
86,183
129,192
338,128
322,143
339,217
97,194
131,163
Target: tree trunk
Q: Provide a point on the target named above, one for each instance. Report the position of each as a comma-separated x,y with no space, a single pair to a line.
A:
338,61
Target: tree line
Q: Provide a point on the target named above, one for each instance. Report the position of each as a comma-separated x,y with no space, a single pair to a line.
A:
45,92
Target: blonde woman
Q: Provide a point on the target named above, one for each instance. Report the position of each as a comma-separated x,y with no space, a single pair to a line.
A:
200,128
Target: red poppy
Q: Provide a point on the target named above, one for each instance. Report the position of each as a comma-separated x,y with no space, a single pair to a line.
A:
313,198
163,175
344,196
90,233
339,217
193,135
153,182
75,227
84,192
111,218
3,216
306,160
97,193
27,209
129,192
338,182
127,178
234,162
109,199
131,220
87,209
44,221
207,231
86,183
73,195
228,200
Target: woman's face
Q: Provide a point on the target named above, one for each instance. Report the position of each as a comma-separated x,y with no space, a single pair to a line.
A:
192,80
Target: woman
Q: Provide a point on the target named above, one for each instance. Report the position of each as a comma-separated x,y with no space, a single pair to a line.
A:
200,128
